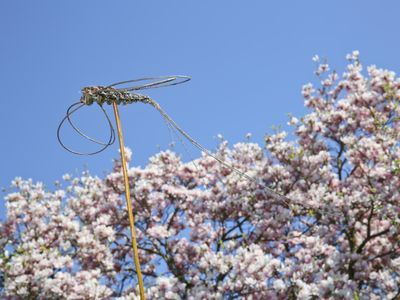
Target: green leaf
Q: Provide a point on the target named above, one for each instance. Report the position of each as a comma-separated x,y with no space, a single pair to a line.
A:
311,213
356,296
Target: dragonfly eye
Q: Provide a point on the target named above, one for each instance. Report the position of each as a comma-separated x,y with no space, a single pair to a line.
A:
90,94
86,99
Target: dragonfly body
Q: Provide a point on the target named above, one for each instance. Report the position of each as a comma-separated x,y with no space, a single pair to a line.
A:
103,94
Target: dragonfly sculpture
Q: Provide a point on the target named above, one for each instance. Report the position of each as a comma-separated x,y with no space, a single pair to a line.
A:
116,94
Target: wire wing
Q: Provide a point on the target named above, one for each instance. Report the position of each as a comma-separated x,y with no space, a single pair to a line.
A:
153,82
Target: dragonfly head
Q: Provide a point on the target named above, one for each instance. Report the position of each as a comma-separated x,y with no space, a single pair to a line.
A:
91,94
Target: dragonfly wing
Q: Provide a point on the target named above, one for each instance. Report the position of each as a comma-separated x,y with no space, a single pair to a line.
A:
153,82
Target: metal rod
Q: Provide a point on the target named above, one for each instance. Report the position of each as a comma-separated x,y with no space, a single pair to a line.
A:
129,202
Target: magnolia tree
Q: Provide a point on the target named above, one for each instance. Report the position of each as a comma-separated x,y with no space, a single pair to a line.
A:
204,232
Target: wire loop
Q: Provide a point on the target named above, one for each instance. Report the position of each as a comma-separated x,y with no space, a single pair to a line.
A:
72,109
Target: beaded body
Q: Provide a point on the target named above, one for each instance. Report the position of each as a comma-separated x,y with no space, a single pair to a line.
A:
102,94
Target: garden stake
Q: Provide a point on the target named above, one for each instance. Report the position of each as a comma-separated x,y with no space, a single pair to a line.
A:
129,201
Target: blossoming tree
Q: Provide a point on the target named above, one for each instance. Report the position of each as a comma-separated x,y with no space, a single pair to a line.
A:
206,233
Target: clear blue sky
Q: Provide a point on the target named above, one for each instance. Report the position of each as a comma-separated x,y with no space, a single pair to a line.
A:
248,61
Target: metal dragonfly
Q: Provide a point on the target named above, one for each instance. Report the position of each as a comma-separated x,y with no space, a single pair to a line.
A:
126,95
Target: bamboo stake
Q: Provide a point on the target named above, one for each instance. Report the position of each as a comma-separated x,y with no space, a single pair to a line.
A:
129,202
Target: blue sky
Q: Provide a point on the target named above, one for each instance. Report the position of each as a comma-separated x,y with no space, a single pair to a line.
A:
248,61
